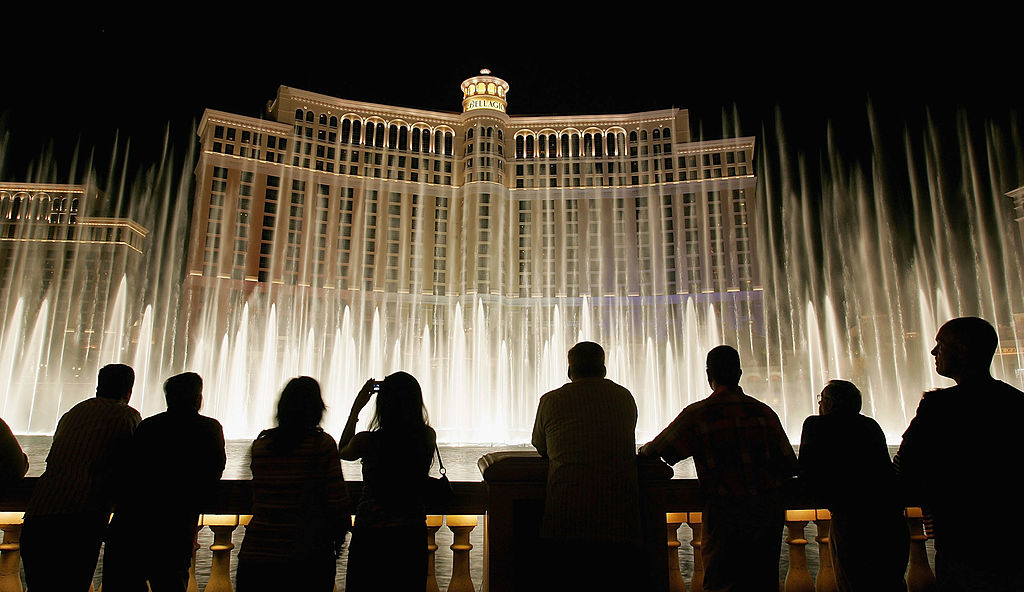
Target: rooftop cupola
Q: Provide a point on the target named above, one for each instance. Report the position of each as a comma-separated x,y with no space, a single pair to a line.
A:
484,92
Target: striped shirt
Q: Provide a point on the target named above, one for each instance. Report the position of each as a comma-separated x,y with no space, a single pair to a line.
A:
737,443
586,429
299,499
87,458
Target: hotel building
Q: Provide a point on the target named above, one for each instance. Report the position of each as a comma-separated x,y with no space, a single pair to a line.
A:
338,194
346,239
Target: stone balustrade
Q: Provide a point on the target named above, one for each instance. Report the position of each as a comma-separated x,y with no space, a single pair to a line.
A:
510,498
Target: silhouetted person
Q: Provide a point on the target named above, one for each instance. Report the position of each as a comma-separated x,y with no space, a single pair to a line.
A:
844,462
389,539
177,459
960,458
13,460
743,461
299,500
70,505
590,530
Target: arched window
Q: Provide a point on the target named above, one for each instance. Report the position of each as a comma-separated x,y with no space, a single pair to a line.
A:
565,145
403,138
520,146
632,136
643,135
529,146
369,134
415,147
309,116
575,145
588,144
393,137
552,146
610,144
490,132
346,130
620,143
298,115
469,133
378,138
656,135
357,132
666,133
334,121
449,140
598,145
323,119
438,141
425,142
542,146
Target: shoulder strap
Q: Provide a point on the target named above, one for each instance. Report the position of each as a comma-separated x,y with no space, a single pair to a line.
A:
440,464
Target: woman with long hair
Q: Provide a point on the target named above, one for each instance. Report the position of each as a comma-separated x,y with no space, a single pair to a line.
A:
389,541
300,505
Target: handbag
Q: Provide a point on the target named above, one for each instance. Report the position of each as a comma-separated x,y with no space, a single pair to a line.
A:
437,491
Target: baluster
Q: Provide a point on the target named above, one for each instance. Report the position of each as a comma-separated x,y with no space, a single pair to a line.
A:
696,525
193,584
10,552
826,580
676,583
433,524
461,526
220,566
798,578
919,574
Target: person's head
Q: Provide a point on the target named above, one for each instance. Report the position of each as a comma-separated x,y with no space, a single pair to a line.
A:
839,396
300,406
586,360
184,392
723,366
964,348
115,381
399,404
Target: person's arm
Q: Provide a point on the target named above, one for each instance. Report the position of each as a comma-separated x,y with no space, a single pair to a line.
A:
345,443
13,460
672,444
539,439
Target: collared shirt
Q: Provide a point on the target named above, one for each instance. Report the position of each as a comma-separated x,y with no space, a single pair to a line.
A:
737,443
586,429
88,453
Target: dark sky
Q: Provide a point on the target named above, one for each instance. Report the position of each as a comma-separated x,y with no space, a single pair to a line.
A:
103,76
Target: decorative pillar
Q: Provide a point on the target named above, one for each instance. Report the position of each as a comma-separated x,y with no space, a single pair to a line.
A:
220,566
461,526
10,552
433,524
920,577
697,526
798,578
676,583
193,584
826,580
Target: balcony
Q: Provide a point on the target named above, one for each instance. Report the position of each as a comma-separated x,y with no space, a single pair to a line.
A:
510,499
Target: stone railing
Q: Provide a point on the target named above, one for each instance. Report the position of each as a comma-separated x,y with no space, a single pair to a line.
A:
511,498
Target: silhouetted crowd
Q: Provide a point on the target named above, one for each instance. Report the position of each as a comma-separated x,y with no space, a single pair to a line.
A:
956,461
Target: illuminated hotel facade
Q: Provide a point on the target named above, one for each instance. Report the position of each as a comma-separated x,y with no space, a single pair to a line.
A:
341,195
343,239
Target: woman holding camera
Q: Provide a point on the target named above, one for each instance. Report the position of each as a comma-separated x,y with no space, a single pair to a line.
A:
388,550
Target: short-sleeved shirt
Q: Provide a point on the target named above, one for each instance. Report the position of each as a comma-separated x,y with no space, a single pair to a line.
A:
737,443
586,429
90,448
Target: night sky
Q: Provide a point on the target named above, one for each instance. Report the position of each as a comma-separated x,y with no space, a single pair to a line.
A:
85,83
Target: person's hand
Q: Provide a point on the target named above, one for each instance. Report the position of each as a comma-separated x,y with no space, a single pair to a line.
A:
363,396
646,450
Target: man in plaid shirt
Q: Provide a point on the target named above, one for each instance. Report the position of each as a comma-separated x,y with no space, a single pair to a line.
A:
743,460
